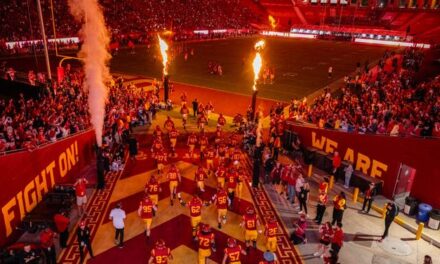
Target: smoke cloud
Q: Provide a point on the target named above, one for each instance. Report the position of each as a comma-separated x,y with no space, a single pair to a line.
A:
94,52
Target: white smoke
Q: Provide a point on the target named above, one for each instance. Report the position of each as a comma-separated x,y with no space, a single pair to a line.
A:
94,52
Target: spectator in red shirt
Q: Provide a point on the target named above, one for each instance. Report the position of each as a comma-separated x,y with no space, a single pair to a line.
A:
299,235
325,236
48,246
80,191
336,163
337,240
62,225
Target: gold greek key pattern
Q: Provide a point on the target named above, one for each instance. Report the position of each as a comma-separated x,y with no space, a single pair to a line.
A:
95,210
286,252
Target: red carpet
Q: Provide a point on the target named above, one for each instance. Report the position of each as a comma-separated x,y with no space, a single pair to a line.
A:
131,203
137,250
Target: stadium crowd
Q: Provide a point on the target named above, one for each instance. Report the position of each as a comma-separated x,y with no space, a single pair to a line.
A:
147,16
26,123
383,100
20,22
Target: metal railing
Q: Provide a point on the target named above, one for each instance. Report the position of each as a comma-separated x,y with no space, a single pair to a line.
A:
312,125
40,146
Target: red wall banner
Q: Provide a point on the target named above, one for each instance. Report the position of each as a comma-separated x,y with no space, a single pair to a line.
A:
27,176
381,156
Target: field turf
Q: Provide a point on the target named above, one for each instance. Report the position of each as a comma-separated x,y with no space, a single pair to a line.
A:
300,65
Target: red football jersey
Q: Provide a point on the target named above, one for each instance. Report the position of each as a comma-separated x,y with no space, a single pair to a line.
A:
173,133
172,175
205,240
146,209
271,229
222,148
184,110
236,155
250,222
200,175
195,207
161,156
210,154
169,124
233,253
221,171
157,145
231,179
221,200
153,187
192,140
157,132
203,141
160,256
202,119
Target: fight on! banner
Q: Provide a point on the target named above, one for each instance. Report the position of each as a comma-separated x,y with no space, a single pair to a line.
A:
27,176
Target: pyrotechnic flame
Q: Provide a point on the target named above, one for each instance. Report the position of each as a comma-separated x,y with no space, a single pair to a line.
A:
273,22
163,51
260,45
258,62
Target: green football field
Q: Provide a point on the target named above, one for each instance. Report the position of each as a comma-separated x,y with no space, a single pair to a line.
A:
300,65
